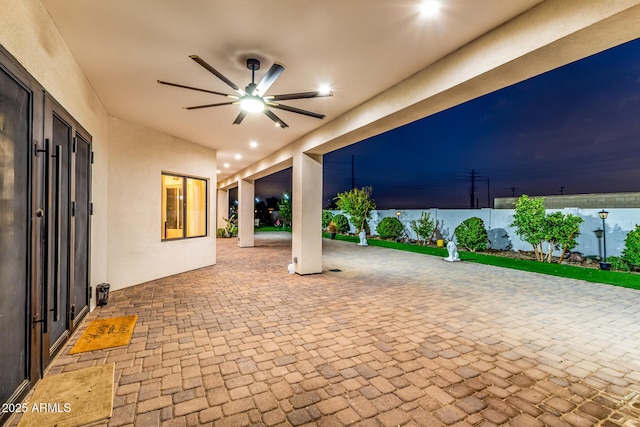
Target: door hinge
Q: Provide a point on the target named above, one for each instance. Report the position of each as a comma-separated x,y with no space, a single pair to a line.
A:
92,157
73,311
90,292
73,208
74,146
91,208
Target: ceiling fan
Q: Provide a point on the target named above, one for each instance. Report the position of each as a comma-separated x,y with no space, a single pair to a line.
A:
253,97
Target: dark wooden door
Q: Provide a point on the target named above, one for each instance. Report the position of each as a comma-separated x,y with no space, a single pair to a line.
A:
59,137
15,150
82,229
67,183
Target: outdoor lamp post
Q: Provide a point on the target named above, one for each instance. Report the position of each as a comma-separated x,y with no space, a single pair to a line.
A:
599,233
603,215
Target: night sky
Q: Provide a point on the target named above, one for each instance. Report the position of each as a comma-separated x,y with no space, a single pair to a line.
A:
572,130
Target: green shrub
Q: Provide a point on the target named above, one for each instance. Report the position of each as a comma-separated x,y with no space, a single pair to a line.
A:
424,227
285,210
220,232
232,225
631,252
472,235
358,204
561,231
327,216
529,221
617,263
389,228
342,223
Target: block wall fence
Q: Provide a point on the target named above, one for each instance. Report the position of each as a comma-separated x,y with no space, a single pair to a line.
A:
619,222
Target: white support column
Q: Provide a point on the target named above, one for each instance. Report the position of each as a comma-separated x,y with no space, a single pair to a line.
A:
246,208
222,209
307,213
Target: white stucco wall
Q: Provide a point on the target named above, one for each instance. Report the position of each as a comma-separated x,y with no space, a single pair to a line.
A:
619,222
138,156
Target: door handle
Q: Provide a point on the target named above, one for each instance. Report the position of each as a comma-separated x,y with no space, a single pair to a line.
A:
44,241
58,232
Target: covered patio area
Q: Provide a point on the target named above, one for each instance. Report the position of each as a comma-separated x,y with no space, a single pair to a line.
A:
393,338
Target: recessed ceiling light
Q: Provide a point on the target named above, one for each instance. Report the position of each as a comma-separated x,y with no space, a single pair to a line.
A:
218,171
238,156
429,7
226,165
253,144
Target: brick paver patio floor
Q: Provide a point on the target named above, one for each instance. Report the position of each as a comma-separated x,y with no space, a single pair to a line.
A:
394,338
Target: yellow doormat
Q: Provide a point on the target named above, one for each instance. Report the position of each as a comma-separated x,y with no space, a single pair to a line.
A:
71,399
106,333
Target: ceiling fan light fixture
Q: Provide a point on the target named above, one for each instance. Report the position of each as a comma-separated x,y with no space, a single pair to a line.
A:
251,104
430,8
324,90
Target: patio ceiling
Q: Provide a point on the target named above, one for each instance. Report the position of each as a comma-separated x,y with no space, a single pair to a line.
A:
359,47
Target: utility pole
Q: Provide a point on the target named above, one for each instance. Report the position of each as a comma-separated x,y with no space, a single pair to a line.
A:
513,191
561,191
473,187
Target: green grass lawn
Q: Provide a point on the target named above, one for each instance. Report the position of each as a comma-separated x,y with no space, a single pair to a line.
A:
271,228
616,278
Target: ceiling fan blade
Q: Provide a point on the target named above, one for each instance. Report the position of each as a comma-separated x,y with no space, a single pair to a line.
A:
210,105
240,117
196,88
301,95
268,79
217,73
275,118
296,110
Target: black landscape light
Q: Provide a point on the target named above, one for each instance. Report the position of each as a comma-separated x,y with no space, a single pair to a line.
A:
102,292
604,265
599,233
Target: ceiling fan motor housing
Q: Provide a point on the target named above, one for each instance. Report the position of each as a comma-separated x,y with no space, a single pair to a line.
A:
253,64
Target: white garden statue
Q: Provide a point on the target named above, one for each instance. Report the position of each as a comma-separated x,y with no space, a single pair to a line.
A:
363,238
453,252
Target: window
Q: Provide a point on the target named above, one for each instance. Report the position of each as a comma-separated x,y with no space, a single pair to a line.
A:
184,207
